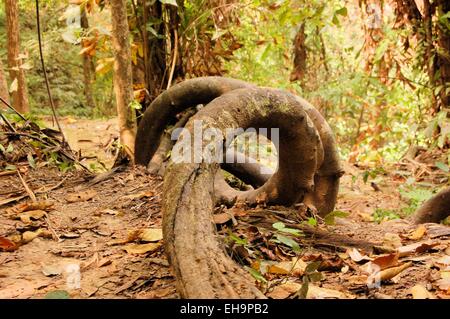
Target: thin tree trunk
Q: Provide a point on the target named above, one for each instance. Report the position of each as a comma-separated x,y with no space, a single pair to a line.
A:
87,67
3,86
16,73
443,59
123,83
300,55
429,56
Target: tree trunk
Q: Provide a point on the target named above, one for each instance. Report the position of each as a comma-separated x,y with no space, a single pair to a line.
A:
16,73
4,94
300,55
87,66
443,59
123,83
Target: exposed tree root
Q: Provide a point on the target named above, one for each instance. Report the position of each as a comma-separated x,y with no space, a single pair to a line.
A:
202,268
203,90
165,107
435,209
156,164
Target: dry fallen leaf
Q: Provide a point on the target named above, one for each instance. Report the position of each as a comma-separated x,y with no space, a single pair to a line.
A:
386,261
30,235
415,248
139,195
389,273
444,284
295,267
151,234
221,218
141,249
285,290
418,233
392,240
315,292
70,235
27,216
20,208
110,212
356,256
51,270
443,263
81,196
420,292
7,245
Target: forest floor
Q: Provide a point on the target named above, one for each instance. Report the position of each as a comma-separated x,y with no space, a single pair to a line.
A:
111,229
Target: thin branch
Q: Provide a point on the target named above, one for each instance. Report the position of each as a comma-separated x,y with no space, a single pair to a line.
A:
175,56
47,84
27,188
12,108
7,122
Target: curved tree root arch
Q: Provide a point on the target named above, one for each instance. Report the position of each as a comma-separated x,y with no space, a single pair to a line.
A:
202,268
202,91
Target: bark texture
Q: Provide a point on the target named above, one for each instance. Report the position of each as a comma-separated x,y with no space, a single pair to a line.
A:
88,70
435,209
16,73
123,86
202,268
4,94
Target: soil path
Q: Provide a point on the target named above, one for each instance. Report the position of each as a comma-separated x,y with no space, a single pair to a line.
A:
111,231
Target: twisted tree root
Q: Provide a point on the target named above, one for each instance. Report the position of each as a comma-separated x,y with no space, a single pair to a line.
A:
204,90
166,106
202,268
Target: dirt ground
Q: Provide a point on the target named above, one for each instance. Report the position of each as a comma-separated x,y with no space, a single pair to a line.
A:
109,227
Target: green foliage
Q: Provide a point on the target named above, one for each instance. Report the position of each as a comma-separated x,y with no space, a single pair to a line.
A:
381,215
282,239
256,274
281,227
415,197
344,92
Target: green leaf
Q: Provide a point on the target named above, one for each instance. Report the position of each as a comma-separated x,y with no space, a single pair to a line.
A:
342,11
171,2
135,105
315,277
335,20
10,148
256,274
312,267
278,226
289,242
237,239
57,294
31,160
416,194
381,50
312,221
282,228
303,292
443,166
